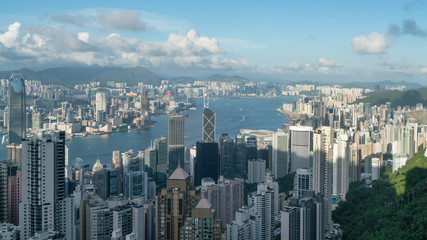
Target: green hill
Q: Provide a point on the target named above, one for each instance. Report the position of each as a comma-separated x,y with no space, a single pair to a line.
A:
393,208
397,98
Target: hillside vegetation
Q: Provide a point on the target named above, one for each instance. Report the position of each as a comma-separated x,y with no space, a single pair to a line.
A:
393,208
397,98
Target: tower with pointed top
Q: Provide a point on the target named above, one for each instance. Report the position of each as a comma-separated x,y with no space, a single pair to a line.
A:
208,123
174,204
16,105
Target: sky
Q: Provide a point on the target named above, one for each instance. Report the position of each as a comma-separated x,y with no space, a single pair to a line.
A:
332,41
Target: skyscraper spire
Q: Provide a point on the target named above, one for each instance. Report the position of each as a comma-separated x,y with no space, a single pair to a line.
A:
16,107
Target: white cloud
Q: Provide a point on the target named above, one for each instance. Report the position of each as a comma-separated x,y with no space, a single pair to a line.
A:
124,20
328,63
83,36
374,43
293,65
8,39
423,70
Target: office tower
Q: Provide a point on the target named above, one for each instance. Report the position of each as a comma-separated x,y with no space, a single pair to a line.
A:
280,149
222,138
208,125
190,158
150,159
303,182
138,221
100,101
207,161
240,162
256,171
322,170
226,198
17,108
117,164
161,146
150,219
247,225
101,180
132,163
3,191
145,102
122,219
113,182
290,221
202,225
174,204
251,148
300,147
176,142
227,159
43,183
376,167
136,184
341,165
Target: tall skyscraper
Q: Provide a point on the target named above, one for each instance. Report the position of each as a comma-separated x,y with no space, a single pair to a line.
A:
240,162
16,104
301,147
117,164
303,182
145,102
174,204
43,183
280,150
208,125
322,170
341,165
207,161
161,146
227,158
176,147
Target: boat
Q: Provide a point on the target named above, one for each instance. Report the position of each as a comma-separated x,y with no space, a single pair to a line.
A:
192,108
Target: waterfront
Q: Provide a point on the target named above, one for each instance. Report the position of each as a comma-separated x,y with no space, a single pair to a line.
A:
231,116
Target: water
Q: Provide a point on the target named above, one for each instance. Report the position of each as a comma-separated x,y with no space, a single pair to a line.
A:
256,113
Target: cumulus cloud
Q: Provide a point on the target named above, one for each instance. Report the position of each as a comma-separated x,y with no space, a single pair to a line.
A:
323,62
374,43
409,27
122,20
8,39
293,65
39,44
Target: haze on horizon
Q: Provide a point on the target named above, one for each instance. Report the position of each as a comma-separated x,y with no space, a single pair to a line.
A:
333,41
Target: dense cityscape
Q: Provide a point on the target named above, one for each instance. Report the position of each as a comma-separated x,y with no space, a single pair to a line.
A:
213,120
221,187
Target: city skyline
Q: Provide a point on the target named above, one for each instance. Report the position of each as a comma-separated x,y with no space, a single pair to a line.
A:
278,41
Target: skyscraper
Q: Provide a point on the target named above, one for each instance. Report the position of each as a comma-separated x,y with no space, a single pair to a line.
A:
341,168
322,169
161,146
227,158
16,105
280,149
145,102
101,101
174,204
301,147
207,161
303,182
43,183
176,142
208,127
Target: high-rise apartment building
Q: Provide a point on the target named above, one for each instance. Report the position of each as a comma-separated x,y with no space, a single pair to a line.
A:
176,142
226,198
17,109
322,170
341,165
145,102
208,125
303,182
101,101
43,183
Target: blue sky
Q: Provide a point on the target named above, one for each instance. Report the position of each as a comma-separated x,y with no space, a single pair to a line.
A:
277,40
